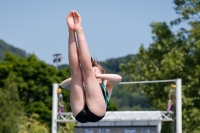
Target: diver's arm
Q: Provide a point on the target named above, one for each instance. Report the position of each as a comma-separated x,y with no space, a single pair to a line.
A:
66,83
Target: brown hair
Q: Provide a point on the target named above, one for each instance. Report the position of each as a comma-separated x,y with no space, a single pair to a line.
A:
96,64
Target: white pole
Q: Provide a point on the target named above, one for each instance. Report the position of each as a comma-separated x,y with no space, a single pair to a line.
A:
54,108
153,81
178,106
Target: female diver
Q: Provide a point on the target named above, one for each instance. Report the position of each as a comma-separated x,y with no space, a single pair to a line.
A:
90,87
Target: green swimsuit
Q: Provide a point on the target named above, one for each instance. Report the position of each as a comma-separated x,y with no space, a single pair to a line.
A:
105,93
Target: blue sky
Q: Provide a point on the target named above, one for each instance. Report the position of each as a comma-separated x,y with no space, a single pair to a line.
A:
113,28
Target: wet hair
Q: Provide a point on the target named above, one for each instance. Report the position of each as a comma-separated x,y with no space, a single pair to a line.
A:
96,64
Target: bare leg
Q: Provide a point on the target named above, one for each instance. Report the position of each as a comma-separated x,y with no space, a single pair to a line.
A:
77,96
94,96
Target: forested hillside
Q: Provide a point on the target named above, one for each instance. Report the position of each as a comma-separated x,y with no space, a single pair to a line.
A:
7,47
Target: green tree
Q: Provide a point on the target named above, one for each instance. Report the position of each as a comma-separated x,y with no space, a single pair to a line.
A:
67,127
188,9
189,12
34,79
171,56
11,108
30,124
